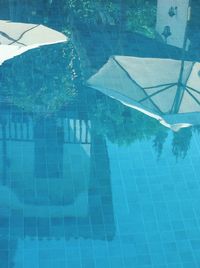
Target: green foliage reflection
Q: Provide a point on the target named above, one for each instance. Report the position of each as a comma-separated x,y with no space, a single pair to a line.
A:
137,16
42,80
181,142
122,125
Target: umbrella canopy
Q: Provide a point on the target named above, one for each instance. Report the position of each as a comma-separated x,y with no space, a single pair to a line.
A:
165,89
17,38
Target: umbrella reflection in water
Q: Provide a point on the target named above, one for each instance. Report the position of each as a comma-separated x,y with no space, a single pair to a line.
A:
17,38
165,89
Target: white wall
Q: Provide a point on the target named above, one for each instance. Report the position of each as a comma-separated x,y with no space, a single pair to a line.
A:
176,23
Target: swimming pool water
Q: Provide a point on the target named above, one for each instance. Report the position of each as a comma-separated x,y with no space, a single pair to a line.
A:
87,182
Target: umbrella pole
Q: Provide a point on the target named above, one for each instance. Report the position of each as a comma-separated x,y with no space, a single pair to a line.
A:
180,86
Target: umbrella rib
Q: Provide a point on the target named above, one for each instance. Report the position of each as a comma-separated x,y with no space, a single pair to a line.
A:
191,88
192,96
125,72
9,37
162,85
16,41
157,92
128,75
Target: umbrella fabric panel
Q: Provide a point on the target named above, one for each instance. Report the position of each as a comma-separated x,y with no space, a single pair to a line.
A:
41,34
10,32
164,99
8,52
189,104
17,38
23,34
112,77
112,80
194,78
187,70
154,75
191,97
150,72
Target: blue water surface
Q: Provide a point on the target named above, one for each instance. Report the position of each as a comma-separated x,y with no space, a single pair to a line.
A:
87,182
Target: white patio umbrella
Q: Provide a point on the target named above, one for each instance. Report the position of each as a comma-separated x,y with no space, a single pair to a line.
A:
165,89
17,38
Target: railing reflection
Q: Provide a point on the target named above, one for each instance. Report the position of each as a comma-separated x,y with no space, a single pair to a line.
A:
75,130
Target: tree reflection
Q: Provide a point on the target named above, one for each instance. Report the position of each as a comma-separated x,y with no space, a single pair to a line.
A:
120,124
123,126
41,81
159,141
181,142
